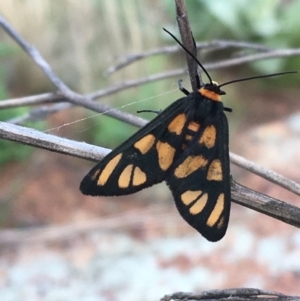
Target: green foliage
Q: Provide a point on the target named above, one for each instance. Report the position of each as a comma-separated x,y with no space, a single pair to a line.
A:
273,23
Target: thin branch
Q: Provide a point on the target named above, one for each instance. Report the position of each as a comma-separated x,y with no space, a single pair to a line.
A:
133,83
30,100
253,57
240,194
40,113
264,204
53,143
208,45
265,173
119,87
34,114
187,40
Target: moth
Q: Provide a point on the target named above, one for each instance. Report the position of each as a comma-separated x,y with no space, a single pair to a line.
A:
185,145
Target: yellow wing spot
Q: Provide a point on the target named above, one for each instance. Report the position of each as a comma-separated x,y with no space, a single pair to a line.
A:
209,136
193,126
145,143
125,176
177,124
210,94
214,172
190,196
217,212
165,154
199,205
108,169
189,165
139,177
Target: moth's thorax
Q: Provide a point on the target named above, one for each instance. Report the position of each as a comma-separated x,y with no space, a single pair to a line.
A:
201,107
211,95
211,91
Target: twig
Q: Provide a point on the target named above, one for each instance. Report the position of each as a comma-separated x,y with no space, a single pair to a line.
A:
265,173
187,40
40,113
209,45
237,294
133,83
53,143
253,57
241,195
262,203
30,100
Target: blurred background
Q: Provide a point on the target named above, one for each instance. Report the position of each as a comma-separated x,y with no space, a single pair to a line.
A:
55,243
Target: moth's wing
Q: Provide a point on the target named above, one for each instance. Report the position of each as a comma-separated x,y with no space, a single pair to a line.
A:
143,159
200,180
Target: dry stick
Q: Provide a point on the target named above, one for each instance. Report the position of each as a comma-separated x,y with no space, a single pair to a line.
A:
209,45
265,204
187,41
53,143
241,195
40,113
119,87
238,294
265,173
30,100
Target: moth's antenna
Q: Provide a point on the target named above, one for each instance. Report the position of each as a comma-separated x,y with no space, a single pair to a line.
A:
187,51
255,77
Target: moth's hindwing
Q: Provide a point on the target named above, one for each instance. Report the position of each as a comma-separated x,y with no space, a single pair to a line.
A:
200,180
143,159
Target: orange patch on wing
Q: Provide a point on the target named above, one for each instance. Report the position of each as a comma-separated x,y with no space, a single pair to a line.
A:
214,172
108,169
189,165
217,212
193,126
208,137
190,196
165,154
125,176
145,143
139,177
177,124
199,204
210,94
